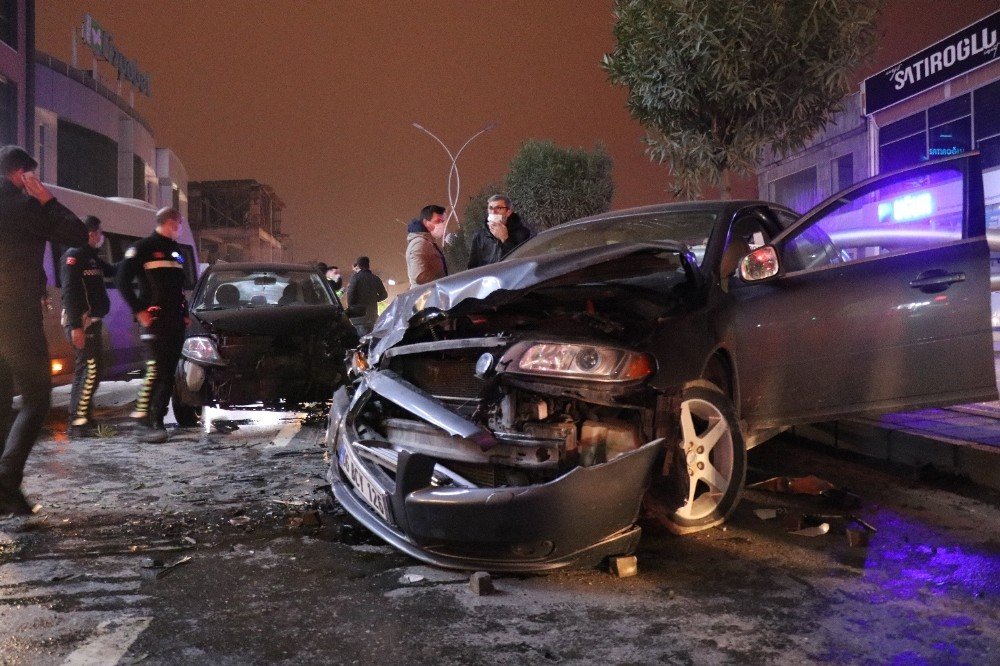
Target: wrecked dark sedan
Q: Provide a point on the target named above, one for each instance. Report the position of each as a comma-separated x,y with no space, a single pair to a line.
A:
522,416
268,335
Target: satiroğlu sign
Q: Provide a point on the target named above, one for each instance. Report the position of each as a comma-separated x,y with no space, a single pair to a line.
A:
964,51
102,44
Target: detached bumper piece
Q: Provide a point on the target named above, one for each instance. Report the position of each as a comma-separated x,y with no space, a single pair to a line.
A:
418,506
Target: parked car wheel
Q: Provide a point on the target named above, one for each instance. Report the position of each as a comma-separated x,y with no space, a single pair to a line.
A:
712,455
187,415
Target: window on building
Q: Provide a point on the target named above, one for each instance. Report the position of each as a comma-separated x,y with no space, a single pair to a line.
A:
842,172
797,190
40,148
85,160
990,149
8,22
138,177
986,101
8,111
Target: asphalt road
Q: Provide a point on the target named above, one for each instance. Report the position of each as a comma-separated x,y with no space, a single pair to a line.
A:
278,574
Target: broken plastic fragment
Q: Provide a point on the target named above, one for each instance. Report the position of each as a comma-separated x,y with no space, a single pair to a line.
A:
817,530
804,485
766,514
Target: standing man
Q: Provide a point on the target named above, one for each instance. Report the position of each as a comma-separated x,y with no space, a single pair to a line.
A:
156,266
29,216
333,277
365,289
424,258
500,233
85,304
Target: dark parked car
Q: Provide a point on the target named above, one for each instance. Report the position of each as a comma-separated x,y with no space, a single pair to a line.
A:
272,335
517,417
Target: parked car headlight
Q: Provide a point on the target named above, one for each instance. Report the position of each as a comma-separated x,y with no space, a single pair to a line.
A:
201,349
583,362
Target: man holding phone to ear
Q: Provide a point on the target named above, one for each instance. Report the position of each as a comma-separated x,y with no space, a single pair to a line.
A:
29,216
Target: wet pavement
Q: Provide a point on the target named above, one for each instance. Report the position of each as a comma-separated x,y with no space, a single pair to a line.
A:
278,574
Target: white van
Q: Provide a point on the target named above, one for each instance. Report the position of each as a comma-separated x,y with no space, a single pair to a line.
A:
124,221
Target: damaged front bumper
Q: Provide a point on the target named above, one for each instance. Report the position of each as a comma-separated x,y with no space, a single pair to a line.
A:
413,501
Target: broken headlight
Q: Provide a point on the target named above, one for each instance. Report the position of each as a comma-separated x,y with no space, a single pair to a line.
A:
577,361
201,349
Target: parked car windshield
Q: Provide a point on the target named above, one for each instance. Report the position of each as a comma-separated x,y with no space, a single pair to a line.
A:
227,289
691,227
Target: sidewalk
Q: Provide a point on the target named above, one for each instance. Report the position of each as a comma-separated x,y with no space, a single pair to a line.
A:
962,440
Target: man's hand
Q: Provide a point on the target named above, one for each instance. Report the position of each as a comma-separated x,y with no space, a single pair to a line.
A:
499,230
79,337
34,188
145,318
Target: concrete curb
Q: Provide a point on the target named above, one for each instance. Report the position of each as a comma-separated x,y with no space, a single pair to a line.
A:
875,439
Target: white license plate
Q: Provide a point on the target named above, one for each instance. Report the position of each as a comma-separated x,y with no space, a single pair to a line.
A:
365,485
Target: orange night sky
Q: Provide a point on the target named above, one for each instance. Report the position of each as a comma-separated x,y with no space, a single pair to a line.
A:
317,98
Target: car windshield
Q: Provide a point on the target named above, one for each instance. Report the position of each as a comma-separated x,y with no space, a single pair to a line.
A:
228,289
691,227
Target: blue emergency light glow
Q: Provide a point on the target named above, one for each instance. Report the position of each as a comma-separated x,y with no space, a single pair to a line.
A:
913,207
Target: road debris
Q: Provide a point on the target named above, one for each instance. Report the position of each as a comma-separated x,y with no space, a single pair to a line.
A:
814,531
624,566
858,538
766,514
170,567
481,584
411,578
803,485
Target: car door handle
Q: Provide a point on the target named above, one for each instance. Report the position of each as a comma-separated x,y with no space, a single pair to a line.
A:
936,280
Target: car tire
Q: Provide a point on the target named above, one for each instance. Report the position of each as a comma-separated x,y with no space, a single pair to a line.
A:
709,449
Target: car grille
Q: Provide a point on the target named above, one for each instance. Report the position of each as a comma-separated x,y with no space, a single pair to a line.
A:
449,377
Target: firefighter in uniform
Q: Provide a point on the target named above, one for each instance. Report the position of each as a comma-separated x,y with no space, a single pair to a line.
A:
29,216
85,304
156,266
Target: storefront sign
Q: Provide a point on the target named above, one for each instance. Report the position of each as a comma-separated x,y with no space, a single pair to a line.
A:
964,51
102,44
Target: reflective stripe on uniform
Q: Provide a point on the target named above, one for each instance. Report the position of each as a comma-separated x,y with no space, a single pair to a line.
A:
142,402
162,263
83,408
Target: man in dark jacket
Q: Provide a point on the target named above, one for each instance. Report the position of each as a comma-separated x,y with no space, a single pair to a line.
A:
85,304
365,289
29,216
500,233
156,264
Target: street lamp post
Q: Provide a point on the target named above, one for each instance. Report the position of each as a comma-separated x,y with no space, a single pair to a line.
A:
453,177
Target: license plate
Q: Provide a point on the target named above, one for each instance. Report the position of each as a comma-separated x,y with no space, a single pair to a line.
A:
365,485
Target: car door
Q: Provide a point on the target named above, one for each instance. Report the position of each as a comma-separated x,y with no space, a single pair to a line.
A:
881,302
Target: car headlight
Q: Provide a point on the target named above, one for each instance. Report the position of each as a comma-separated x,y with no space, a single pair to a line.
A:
201,349
583,362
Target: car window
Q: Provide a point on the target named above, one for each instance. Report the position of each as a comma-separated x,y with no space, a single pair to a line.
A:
691,227
226,289
911,213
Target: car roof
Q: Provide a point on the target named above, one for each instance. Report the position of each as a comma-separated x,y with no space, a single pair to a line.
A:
259,266
725,205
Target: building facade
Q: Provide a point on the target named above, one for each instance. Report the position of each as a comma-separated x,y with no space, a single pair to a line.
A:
942,100
237,220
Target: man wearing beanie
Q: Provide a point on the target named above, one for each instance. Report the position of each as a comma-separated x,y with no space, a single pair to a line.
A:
424,260
365,289
29,216
85,304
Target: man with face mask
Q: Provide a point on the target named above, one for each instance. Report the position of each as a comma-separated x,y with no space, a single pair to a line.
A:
156,265
424,260
85,304
500,233
333,277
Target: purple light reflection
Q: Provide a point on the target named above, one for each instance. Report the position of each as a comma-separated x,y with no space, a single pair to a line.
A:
907,559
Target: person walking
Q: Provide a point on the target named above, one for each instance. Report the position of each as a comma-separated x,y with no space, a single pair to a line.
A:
29,216
499,234
365,289
85,304
151,280
424,259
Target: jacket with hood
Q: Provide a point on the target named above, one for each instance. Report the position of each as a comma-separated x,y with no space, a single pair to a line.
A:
487,248
424,260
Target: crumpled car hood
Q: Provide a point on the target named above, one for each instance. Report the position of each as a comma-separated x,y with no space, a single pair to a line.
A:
266,321
496,284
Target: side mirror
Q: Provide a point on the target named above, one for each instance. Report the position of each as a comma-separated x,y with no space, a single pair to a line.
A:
761,264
